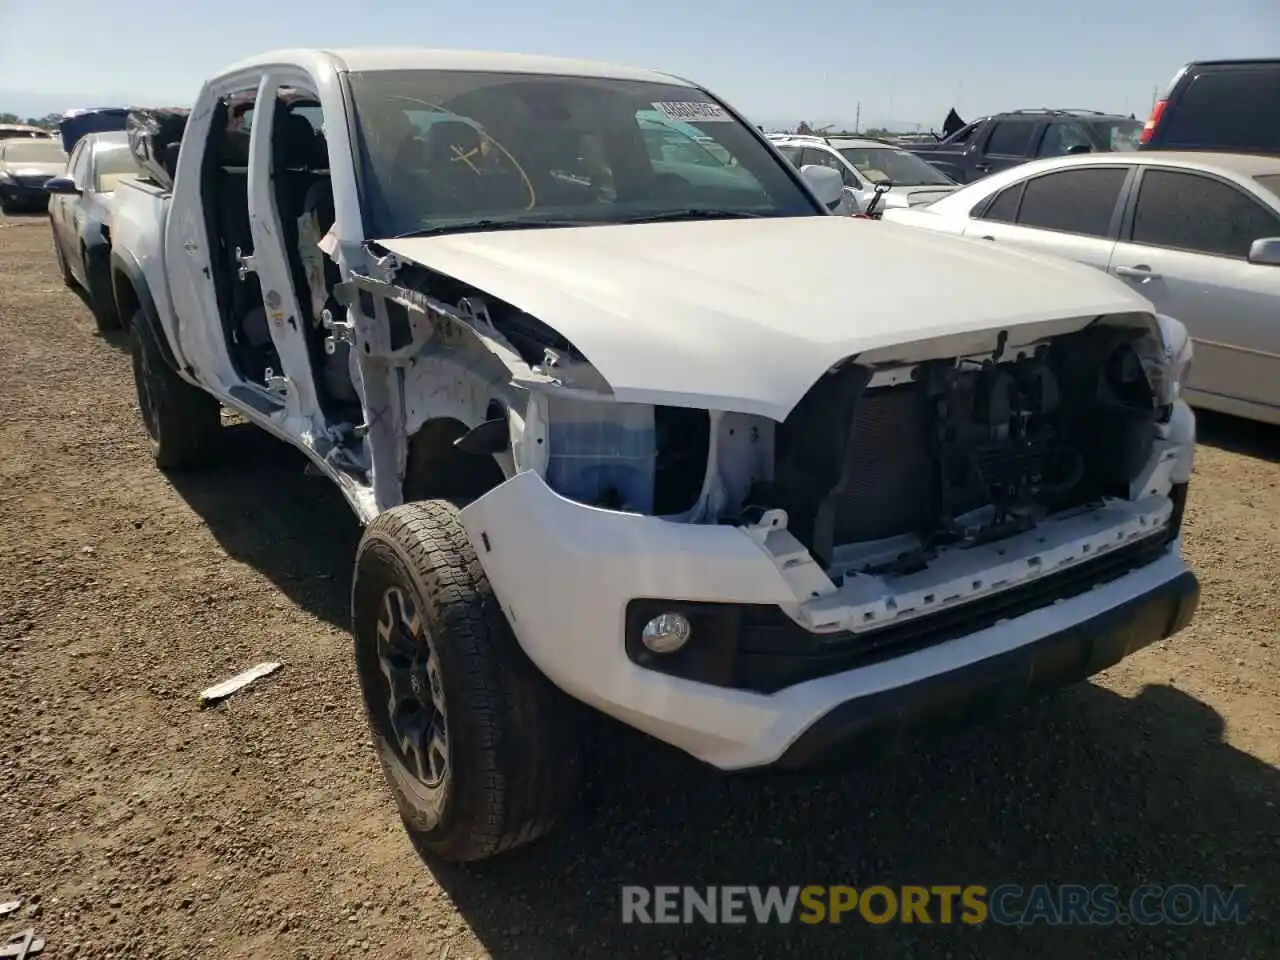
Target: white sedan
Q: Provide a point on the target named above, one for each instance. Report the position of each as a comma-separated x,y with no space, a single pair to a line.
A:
1197,234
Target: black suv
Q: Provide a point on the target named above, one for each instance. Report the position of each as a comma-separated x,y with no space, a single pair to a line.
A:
969,151
1227,105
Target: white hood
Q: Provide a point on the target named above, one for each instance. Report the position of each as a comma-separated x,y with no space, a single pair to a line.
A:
746,315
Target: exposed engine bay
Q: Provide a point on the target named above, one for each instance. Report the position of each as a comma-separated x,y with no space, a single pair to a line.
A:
966,451
882,465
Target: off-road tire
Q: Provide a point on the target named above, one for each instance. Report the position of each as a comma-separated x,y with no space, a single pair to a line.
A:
7,203
513,760
184,422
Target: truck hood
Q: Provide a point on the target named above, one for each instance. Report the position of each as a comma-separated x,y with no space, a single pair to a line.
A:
745,315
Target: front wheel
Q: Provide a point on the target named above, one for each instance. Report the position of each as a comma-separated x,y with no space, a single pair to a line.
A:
476,744
184,422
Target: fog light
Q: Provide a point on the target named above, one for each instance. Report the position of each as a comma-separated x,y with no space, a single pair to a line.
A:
666,633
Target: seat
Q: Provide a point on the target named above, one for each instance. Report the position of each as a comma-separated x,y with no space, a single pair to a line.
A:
233,214
293,149
322,274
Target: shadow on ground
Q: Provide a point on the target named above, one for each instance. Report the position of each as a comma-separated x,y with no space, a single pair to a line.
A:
1247,437
116,339
1087,787
295,529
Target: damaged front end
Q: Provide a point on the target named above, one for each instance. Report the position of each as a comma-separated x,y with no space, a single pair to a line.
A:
910,494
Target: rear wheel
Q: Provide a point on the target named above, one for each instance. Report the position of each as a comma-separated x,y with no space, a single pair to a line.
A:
476,744
184,422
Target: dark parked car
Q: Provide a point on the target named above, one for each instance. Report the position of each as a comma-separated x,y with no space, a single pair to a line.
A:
81,122
969,151
1219,105
25,164
79,211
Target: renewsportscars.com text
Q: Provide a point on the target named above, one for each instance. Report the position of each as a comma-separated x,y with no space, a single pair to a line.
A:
1006,905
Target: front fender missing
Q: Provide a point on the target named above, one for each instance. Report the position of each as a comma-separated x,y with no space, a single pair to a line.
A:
421,360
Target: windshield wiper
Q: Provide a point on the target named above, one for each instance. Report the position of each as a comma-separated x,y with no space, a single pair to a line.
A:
484,226
694,213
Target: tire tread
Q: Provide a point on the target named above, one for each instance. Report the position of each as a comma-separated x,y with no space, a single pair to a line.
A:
526,766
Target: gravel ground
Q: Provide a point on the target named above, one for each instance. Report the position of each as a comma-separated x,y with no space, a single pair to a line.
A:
137,825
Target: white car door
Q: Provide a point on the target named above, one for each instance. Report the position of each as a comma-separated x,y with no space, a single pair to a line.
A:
192,255
1186,249
1073,213
288,321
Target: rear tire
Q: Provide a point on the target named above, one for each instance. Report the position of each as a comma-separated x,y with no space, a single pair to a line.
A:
184,422
476,744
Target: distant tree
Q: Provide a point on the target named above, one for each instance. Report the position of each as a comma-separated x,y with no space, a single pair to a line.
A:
804,128
879,132
10,118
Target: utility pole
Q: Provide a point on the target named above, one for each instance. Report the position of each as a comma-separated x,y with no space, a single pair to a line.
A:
857,120
1155,95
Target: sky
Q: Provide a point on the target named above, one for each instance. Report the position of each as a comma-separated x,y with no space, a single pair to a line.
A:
906,61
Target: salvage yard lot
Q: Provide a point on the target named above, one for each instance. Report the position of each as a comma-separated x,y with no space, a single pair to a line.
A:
147,827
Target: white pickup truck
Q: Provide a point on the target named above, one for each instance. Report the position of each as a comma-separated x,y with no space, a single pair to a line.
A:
765,483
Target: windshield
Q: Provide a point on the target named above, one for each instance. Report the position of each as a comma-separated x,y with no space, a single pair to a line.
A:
1117,134
449,150
113,162
33,151
903,169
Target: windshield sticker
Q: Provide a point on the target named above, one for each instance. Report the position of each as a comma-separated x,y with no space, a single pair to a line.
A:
693,111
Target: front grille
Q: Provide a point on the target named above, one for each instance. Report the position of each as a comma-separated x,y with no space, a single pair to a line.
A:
894,489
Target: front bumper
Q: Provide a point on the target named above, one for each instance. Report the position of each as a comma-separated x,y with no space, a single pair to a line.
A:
566,573
25,193
881,722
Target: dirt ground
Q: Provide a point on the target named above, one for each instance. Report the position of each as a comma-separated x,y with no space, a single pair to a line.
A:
137,825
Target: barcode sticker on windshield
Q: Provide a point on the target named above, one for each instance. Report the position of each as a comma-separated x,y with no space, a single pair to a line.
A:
693,111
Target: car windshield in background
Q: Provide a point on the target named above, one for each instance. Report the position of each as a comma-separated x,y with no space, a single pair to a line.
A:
113,162
1117,134
33,151
454,150
902,169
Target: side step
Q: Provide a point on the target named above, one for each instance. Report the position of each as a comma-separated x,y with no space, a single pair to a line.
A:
263,403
